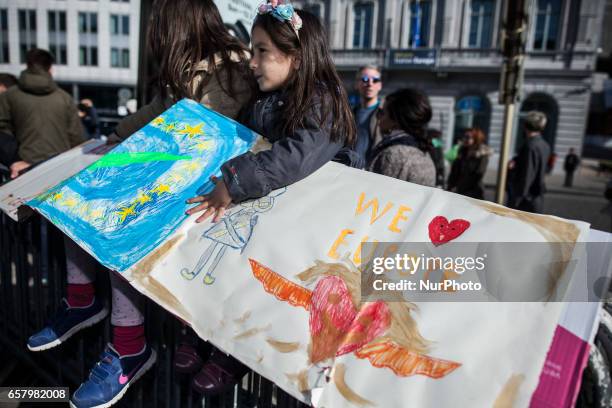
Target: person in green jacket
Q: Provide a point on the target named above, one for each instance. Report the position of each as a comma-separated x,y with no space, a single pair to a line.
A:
38,115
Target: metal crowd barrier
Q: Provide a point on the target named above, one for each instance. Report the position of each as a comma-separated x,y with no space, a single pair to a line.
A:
32,283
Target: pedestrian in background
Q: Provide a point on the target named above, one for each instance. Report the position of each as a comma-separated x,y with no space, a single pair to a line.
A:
437,155
89,119
550,162
570,165
405,150
6,81
368,83
528,187
41,117
470,166
8,144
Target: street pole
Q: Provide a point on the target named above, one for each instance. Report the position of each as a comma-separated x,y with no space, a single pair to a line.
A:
502,170
513,49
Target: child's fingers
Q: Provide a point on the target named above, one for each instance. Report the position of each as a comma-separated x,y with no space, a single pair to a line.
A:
196,199
209,211
197,208
219,215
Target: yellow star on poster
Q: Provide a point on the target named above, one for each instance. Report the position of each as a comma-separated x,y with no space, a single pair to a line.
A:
158,121
162,188
192,131
169,128
57,196
143,198
125,211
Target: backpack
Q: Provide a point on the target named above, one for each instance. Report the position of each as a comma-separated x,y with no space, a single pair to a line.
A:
404,140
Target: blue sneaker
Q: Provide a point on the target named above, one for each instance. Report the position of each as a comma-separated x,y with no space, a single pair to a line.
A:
67,321
111,377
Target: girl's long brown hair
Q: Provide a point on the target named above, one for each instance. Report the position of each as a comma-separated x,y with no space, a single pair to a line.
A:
181,34
316,74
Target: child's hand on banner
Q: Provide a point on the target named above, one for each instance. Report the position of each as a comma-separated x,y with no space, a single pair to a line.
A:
215,202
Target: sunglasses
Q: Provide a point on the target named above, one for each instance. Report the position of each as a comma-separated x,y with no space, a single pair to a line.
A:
365,79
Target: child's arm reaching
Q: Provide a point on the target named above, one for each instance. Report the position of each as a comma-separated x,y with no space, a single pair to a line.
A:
254,175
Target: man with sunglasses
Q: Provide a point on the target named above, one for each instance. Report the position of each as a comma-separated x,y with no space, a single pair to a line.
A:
368,84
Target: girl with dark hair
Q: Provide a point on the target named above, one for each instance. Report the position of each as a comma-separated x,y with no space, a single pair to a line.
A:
405,151
470,165
197,59
302,109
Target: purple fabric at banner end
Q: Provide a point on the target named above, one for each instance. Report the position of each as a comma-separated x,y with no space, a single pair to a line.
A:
562,372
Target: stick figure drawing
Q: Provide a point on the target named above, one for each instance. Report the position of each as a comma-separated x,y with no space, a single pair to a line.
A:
233,231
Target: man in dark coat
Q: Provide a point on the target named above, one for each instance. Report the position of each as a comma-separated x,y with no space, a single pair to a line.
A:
528,186
38,115
8,145
368,83
571,163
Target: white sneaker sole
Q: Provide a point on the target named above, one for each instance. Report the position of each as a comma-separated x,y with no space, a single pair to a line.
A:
145,367
84,324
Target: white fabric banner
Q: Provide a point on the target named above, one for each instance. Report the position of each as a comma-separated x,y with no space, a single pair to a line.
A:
276,284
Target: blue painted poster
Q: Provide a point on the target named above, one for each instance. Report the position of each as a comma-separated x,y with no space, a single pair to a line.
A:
126,203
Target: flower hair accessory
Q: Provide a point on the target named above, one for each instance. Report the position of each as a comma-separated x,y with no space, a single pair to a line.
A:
282,12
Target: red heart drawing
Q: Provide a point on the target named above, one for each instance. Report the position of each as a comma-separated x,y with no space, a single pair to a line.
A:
441,231
371,321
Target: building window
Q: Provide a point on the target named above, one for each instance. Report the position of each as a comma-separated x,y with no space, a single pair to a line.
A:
27,32
57,36
120,57
88,56
4,43
362,28
120,39
119,24
420,16
88,39
547,25
481,23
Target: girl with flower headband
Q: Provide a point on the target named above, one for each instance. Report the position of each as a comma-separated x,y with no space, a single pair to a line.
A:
302,109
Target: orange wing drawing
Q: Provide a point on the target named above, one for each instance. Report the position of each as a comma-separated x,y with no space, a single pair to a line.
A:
282,289
404,362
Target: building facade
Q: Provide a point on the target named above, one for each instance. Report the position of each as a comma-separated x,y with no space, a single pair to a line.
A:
450,50
95,44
